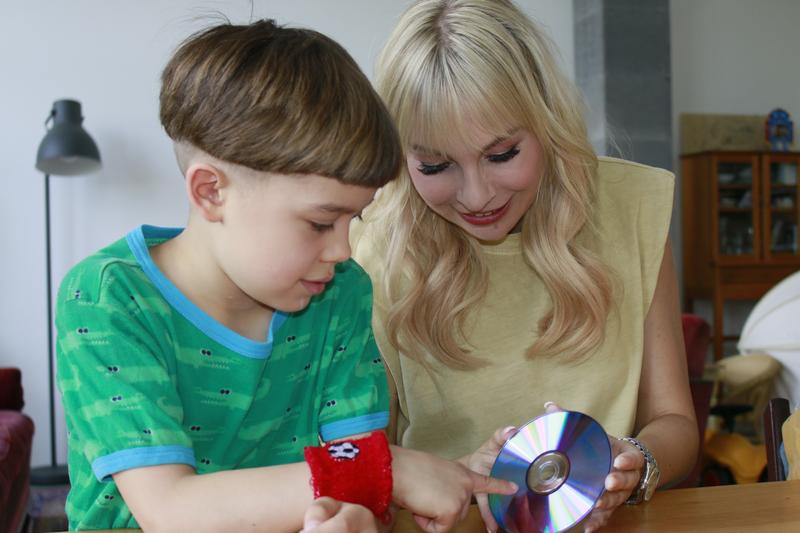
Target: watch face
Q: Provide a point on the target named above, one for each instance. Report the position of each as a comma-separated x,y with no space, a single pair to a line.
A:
650,485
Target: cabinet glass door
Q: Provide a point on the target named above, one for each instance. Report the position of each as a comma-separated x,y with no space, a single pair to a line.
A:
782,208
736,223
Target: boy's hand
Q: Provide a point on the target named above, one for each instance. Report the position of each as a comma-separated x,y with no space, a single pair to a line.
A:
326,515
436,491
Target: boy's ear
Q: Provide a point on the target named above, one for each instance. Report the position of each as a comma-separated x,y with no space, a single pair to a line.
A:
205,185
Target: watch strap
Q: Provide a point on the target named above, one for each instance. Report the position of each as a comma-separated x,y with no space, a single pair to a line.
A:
650,473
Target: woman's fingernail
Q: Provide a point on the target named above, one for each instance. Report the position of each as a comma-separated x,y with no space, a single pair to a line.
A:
311,525
548,404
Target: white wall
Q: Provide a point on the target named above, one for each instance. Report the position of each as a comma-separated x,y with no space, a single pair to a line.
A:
108,54
728,56
734,57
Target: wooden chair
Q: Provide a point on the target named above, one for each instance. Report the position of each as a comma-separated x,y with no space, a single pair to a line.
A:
775,414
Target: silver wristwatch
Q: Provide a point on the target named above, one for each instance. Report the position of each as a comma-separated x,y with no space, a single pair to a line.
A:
650,475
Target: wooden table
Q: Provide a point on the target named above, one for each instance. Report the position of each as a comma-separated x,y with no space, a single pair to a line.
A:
769,507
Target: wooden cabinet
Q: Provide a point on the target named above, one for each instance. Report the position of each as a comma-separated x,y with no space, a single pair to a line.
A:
740,219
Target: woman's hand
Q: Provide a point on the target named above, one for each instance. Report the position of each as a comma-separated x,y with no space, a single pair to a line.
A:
481,461
627,465
326,515
436,491
626,471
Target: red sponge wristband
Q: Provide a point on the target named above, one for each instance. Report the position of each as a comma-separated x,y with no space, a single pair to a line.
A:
355,471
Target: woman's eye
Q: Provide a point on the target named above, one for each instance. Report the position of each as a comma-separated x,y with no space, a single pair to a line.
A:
321,228
505,156
429,170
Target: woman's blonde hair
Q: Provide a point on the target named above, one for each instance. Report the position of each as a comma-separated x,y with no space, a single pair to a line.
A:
451,60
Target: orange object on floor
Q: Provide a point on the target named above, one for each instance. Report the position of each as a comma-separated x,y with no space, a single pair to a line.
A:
745,460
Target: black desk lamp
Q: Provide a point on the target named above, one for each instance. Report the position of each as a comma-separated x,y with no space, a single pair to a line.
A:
66,150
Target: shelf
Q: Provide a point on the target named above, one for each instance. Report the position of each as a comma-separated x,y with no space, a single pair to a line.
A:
742,202
735,186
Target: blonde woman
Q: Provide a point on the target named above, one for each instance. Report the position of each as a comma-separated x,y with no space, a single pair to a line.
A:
512,266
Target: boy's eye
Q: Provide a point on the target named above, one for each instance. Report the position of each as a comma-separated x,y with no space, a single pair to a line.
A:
429,170
505,156
321,228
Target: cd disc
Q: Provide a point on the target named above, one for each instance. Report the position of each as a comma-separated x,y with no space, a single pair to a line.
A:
559,461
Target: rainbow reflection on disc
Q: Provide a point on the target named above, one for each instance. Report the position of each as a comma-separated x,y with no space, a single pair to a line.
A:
559,461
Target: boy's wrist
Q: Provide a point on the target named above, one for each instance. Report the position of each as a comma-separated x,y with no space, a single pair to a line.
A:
355,471
399,457
405,483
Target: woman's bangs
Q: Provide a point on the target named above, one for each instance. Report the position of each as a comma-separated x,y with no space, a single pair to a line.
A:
450,116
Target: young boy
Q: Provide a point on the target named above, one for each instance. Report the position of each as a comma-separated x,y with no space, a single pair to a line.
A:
197,364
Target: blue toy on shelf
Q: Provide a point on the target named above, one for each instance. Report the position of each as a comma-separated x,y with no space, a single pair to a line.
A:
779,130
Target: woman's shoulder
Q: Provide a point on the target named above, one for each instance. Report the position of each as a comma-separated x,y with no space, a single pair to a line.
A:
632,213
620,175
632,192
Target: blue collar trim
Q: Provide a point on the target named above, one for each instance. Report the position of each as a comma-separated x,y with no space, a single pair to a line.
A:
137,241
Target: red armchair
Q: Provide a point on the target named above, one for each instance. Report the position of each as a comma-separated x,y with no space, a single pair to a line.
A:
16,438
697,337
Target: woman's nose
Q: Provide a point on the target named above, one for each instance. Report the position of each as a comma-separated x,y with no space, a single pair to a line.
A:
476,190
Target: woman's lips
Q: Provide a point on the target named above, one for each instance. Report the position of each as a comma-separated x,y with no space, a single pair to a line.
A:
487,217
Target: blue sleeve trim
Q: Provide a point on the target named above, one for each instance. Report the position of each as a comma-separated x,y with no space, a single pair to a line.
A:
784,461
104,467
354,426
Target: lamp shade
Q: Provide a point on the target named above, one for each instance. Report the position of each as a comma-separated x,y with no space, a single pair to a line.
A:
67,150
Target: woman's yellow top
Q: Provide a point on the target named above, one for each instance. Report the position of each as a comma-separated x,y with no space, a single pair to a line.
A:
452,412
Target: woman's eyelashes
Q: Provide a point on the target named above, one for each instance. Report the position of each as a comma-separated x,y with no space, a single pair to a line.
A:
508,155
428,170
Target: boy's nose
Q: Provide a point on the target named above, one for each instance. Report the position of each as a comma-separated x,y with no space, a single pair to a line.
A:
338,249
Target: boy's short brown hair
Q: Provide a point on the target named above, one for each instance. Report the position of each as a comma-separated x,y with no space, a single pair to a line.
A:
283,100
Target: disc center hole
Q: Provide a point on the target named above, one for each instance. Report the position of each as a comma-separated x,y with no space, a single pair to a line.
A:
548,472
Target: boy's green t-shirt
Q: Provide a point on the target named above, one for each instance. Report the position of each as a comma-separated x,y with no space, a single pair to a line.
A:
148,378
